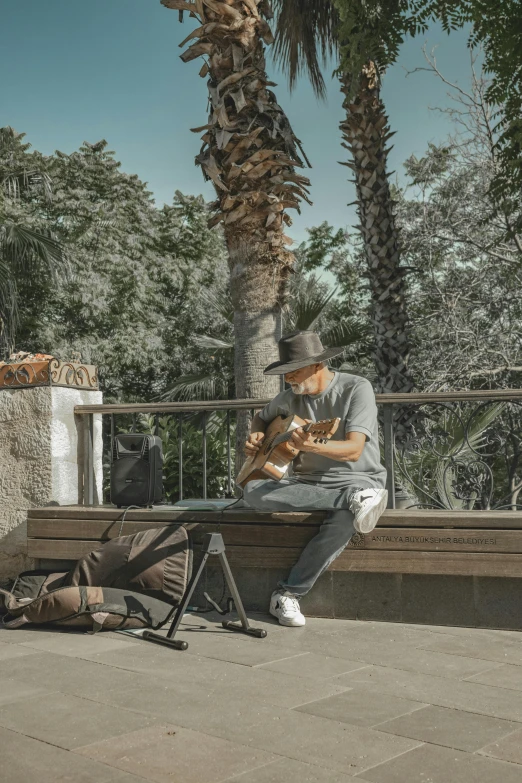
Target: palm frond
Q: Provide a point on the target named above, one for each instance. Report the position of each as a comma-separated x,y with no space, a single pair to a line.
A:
308,305
21,243
8,308
209,343
5,276
220,303
475,432
214,421
460,445
305,36
369,374
15,183
348,331
464,446
202,386
449,423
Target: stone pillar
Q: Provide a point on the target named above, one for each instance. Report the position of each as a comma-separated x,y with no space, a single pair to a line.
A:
39,460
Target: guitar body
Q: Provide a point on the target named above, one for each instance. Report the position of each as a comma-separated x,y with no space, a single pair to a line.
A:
276,453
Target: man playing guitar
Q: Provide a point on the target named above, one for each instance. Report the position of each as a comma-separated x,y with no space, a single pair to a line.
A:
343,475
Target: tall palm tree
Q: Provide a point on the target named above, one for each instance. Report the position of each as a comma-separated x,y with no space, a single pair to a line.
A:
22,243
250,153
364,36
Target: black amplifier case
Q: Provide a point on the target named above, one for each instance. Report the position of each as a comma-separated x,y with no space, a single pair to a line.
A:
136,470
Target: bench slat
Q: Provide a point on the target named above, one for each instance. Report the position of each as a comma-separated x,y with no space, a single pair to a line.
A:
111,514
99,529
450,563
50,549
391,517
106,529
260,535
254,535
404,539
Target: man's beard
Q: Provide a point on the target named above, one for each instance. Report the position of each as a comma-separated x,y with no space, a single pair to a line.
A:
304,388
298,388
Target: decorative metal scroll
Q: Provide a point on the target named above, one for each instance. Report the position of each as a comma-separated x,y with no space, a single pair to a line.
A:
28,374
463,456
83,376
48,373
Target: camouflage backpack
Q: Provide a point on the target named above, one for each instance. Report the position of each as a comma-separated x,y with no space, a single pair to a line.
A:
92,608
129,582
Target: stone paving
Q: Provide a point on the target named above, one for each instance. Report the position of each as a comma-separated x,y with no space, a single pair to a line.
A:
334,702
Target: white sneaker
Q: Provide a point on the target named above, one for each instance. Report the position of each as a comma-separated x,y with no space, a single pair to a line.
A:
285,607
368,505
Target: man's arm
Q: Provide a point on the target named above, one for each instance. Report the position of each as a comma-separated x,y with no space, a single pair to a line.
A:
258,425
257,434
348,450
359,424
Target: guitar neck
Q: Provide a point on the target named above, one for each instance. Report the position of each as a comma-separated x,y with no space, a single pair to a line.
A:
284,437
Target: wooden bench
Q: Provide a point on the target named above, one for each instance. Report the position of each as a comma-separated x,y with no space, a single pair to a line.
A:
466,543
429,567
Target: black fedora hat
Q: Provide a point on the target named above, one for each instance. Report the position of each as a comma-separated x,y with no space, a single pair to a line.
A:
300,349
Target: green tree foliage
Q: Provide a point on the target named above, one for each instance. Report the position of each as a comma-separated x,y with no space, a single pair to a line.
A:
362,30
496,27
375,29
27,246
465,301
339,253
133,297
370,30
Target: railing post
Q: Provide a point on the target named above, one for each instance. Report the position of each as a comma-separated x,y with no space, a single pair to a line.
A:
204,455
88,460
389,448
229,457
180,455
113,433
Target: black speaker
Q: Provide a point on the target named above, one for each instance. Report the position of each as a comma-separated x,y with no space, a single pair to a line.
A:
136,470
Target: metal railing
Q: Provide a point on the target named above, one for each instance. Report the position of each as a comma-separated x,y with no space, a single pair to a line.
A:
436,431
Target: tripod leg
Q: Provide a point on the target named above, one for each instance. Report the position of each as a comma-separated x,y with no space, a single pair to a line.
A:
169,640
244,627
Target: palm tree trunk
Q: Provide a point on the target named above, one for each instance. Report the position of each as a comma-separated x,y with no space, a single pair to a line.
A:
250,153
256,299
366,132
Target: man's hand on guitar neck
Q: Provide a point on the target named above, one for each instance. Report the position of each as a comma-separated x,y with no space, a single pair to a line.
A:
305,441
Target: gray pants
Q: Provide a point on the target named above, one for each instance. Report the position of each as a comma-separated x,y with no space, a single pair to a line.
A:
334,535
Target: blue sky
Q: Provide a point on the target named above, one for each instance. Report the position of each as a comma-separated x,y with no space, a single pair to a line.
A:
110,69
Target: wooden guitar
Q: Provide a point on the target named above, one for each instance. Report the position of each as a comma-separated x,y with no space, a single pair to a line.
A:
276,452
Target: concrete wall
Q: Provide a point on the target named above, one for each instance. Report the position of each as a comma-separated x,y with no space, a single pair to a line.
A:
39,461
425,599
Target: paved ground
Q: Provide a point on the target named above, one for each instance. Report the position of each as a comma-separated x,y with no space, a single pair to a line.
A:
335,702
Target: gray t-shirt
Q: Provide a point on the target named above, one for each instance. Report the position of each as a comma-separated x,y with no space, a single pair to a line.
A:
352,399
